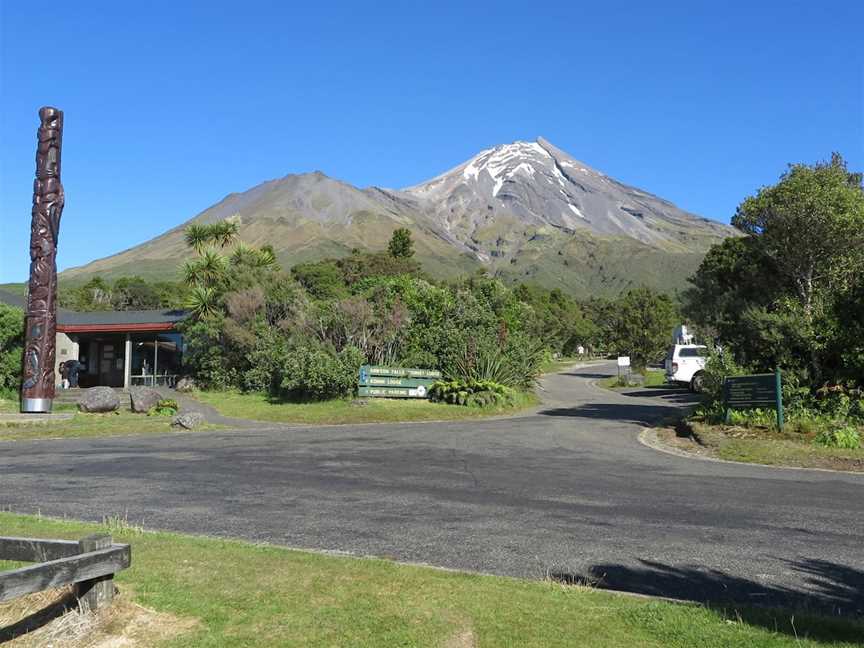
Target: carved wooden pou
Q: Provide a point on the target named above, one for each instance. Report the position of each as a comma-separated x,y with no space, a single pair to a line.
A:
37,387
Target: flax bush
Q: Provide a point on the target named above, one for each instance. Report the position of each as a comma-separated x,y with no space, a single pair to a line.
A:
472,393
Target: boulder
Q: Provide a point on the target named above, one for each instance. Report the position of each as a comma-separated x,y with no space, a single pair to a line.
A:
144,398
185,385
99,399
188,420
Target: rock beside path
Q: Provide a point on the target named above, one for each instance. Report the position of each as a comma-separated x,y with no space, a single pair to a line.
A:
99,399
144,398
185,385
188,420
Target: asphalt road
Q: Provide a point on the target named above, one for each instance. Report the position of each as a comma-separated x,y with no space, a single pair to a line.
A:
566,492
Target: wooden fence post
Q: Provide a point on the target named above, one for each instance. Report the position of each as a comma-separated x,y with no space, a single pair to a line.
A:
92,594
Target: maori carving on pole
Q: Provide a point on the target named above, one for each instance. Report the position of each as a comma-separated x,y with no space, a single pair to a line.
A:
37,388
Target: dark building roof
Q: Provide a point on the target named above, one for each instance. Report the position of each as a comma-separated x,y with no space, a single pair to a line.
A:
73,318
73,321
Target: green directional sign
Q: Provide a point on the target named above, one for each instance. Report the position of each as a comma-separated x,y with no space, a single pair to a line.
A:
394,392
374,370
396,382
758,390
386,381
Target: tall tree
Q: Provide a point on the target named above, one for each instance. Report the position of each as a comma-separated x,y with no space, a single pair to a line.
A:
401,246
775,295
811,226
134,293
644,322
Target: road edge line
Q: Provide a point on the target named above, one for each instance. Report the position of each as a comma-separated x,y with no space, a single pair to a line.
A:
645,438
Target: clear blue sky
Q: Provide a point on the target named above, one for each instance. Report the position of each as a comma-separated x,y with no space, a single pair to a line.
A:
170,106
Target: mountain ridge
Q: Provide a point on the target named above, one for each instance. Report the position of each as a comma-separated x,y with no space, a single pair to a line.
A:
525,211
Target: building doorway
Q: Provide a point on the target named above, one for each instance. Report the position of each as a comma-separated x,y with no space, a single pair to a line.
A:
103,360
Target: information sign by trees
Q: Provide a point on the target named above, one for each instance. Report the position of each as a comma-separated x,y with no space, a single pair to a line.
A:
750,392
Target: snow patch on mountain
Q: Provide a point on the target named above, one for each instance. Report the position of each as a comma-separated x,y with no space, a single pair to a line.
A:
539,184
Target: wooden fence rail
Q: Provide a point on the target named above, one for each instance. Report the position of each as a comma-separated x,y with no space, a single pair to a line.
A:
89,565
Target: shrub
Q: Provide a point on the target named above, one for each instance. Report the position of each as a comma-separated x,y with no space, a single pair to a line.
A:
11,347
165,407
719,365
840,401
514,364
712,413
205,356
316,372
525,357
844,437
266,359
472,393
797,399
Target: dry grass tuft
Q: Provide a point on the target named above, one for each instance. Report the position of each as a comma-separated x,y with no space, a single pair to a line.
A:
463,639
51,619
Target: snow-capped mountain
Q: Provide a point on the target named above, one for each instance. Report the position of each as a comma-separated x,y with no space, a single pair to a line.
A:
538,184
525,211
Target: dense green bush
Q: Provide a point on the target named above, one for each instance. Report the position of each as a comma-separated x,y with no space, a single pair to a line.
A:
314,372
790,293
264,362
304,335
472,393
11,347
123,294
842,437
719,365
207,355
842,401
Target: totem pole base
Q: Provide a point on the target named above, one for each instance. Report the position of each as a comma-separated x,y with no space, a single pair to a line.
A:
36,405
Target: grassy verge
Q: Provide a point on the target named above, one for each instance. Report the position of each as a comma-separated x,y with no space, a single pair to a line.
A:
762,445
255,595
9,403
554,366
92,425
652,379
260,407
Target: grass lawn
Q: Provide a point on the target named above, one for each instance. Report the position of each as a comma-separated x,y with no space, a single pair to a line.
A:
238,594
91,425
9,403
652,379
260,407
762,445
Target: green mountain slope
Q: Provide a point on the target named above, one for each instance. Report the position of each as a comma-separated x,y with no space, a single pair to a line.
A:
523,211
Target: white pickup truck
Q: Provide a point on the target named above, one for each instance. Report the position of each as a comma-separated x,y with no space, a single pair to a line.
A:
685,365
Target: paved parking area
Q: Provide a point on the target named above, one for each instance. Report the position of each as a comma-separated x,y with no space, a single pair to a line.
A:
566,491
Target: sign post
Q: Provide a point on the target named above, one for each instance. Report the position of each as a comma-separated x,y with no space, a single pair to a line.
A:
623,362
749,392
396,382
779,394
